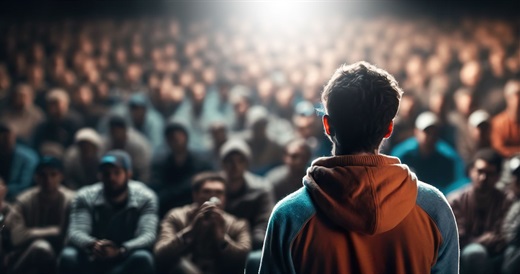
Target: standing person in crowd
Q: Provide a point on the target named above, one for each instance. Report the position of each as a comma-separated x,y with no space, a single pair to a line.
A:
480,209
359,201
17,162
21,113
113,223
173,167
81,159
202,237
40,217
288,177
425,151
123,137
511,225
248,196
61,123
505,133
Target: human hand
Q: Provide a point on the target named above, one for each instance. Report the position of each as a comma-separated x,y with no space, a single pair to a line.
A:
105,250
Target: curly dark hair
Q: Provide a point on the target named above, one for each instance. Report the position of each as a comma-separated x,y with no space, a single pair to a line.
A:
361,100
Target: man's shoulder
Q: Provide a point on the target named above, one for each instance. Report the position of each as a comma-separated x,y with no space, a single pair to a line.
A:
27,195
143,190
90,190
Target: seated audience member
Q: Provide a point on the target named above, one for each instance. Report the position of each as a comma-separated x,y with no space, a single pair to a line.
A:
122,137
247,196
172,169
308,126
425,154
39,221
265,153
505,133
288,177
202,237
479,209
81,160
478,137
219,136
113,223
17,162
61,123
199,114
21,114
511,225
141,116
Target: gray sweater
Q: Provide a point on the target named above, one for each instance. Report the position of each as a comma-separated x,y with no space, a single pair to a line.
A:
93,218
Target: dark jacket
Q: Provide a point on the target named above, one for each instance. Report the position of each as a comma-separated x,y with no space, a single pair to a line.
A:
254,204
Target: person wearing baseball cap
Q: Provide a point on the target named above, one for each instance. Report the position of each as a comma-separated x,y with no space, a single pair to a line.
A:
81,159
248,196
41,212
113,223
426,154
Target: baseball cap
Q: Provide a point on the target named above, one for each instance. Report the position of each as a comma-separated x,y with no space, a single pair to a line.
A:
49,161
304,108
138,100
256,114
117,158
88,135
235,145
426,120
478,117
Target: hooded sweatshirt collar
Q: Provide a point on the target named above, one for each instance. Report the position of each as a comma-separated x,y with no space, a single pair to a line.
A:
368,194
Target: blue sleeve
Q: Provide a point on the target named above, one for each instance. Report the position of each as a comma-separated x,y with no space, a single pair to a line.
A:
435,204
286,221
22,171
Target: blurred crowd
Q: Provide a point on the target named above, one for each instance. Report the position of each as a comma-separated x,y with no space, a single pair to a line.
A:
241,99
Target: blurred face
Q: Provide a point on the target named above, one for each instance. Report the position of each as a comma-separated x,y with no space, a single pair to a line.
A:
210,189
483,175
49,179
115,180
118,136
22,98
427,138
57,109
241,107
177,141
235,165
138,114
296,158
219,135
87,150
513,102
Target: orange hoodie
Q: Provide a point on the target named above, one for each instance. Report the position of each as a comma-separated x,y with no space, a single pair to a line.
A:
361,214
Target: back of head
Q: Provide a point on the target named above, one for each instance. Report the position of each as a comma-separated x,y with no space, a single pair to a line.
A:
361,101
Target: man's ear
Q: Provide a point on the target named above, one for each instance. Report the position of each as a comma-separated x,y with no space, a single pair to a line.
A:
326,125
390,129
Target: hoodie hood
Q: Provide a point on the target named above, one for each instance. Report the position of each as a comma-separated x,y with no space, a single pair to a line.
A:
368,194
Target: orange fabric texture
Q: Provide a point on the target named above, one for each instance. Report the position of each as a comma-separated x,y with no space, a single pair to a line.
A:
368,220
505,134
